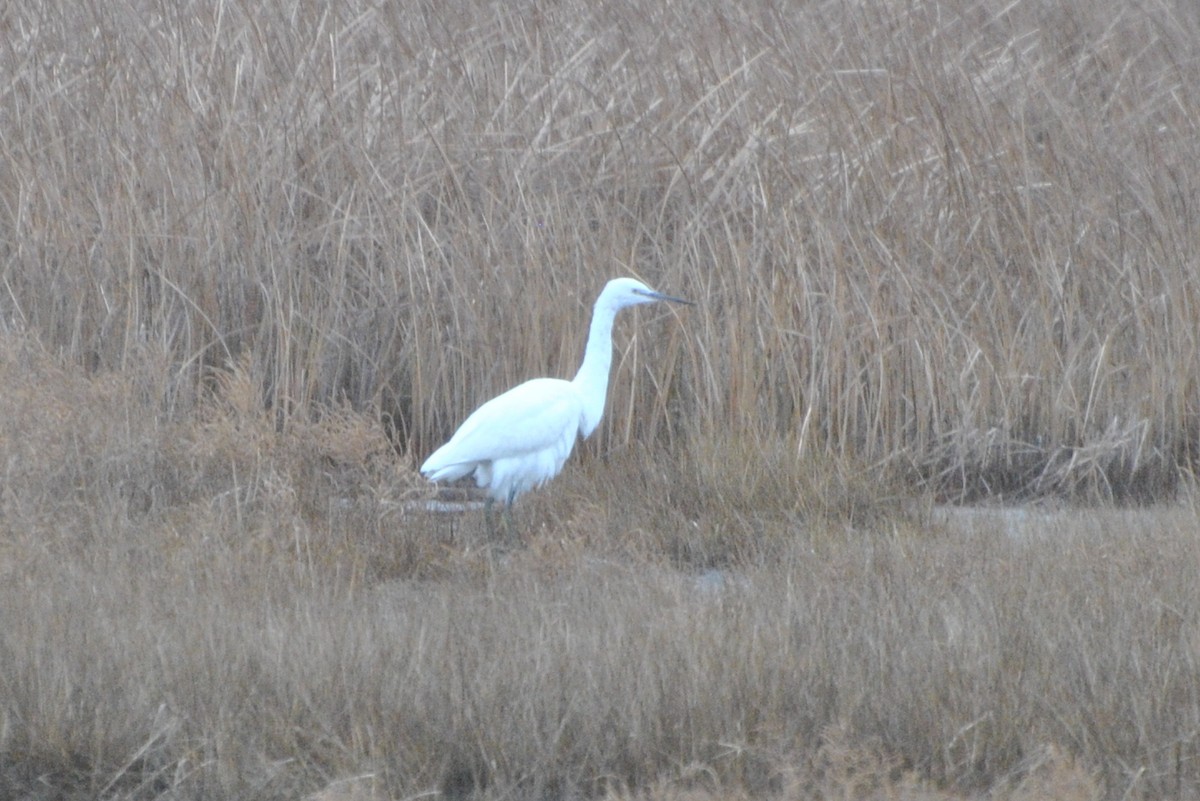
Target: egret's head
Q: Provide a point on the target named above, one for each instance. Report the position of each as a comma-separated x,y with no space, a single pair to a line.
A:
622,292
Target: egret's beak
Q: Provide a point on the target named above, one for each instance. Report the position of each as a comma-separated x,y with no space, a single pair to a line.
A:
660,296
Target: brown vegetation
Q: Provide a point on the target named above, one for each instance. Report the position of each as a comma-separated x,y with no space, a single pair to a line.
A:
258,260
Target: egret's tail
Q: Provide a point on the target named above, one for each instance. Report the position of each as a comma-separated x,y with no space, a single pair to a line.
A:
437,468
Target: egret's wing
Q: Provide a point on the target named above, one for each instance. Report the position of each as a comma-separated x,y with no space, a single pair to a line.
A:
529,418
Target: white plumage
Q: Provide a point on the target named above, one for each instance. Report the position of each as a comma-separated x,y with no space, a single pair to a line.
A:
521,439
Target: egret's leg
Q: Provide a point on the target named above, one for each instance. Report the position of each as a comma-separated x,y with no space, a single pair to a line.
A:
489,521
508,518
510,531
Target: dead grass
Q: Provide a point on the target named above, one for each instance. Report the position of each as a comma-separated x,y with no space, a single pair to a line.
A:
226,608
956,241
256,262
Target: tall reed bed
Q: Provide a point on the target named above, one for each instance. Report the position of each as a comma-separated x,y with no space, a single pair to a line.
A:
953,241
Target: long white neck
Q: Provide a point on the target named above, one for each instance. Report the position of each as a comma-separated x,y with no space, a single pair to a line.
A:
592,378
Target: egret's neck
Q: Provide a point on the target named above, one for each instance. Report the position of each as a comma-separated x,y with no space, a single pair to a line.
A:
592,378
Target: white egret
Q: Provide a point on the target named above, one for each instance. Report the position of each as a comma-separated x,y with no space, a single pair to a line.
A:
521,439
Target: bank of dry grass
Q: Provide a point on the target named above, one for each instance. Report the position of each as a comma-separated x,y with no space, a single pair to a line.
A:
226,608
256,263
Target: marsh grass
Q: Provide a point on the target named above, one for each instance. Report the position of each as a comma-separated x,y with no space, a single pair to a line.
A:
959,242
258,261
227,608
234,638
